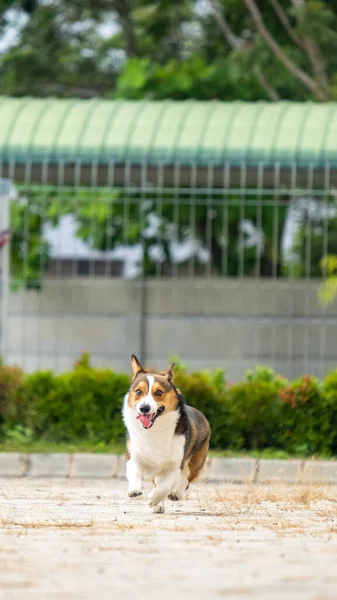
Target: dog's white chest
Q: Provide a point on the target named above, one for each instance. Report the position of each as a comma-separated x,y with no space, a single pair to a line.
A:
158,448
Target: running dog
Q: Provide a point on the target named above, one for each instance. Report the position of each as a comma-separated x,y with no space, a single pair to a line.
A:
167,440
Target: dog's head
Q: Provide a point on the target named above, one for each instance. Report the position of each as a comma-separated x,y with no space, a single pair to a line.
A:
151,394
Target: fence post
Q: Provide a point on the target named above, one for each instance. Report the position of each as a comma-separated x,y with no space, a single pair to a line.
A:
5,188
143,308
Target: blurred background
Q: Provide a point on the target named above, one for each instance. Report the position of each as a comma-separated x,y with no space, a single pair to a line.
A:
169,176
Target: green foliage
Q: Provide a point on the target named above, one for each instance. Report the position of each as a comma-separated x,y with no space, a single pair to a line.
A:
82,408
193,77
105,220
20,436
328,290
317,237
54,55
266,374
11,392
307,417
254,415
29,250
166,49
205,392
330,394
84,404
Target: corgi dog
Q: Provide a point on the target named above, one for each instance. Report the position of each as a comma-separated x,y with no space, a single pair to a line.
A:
167,440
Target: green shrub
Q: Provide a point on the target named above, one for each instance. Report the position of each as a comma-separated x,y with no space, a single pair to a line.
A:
329,391
84,405
11,393
254,415
20,406
266,374
20,435
206,392
306,416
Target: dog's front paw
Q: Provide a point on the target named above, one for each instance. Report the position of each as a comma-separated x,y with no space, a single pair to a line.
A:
154,497
134,493
158,509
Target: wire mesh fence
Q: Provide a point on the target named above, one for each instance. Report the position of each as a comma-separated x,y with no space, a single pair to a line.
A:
219,265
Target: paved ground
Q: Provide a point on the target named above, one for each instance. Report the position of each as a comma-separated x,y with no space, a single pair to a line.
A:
86,540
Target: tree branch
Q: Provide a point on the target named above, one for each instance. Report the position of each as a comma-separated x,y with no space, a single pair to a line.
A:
234,42
315,57
272,94
296,71
124,9
282,15
318,67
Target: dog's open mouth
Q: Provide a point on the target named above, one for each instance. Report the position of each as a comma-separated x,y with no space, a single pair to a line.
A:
148,420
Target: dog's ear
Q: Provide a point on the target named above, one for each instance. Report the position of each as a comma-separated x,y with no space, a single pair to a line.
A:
169,373
136,366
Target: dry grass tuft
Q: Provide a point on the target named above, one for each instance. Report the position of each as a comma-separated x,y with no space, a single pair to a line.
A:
16,585
253,495
48,524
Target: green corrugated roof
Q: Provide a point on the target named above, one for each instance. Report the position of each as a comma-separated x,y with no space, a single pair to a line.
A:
168,131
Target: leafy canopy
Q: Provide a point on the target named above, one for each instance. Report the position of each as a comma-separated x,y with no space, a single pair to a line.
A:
226,49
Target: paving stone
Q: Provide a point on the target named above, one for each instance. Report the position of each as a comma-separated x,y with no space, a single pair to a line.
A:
13,464
320,471
208,470
288,471
236,470
121,470
49,465
94,465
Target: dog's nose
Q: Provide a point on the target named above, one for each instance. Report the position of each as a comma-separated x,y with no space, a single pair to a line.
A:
145,408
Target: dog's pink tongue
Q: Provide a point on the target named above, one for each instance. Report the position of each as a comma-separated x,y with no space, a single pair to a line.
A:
145,420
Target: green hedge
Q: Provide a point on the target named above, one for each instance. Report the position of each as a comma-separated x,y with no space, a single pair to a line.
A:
263,411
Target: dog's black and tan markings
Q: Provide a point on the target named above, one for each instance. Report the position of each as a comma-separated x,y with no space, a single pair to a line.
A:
195,427
167,440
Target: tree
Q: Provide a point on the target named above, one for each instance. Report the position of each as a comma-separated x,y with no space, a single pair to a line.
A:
61,49
232,49
59,53
310,27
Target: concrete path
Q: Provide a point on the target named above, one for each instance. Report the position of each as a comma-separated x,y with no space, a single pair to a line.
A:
72,539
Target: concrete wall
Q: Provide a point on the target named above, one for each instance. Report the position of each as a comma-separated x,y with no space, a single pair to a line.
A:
209,323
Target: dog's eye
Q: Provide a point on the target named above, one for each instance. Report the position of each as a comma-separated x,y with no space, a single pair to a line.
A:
138,392
158,393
